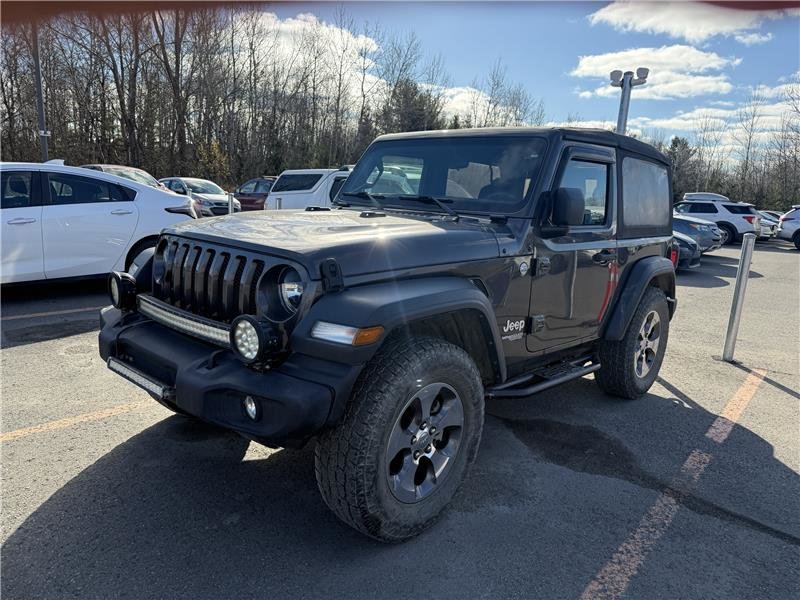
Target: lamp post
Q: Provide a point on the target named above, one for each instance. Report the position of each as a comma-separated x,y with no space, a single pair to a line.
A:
627,81
37,70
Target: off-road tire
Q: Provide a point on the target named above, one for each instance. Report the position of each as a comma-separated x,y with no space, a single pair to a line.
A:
617,374
350,459
731,234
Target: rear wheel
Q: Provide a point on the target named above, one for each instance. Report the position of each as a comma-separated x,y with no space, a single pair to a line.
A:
796,240
410,432
728,234
137,249
630,366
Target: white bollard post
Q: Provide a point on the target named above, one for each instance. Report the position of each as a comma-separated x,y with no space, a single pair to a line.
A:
748,242
230,203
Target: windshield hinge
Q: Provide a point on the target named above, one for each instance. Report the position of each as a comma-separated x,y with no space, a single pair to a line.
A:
332,280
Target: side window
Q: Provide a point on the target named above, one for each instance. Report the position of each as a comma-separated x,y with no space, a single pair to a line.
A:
702,208
592,180
263,186
646,201
336,186
249,187
17,189
176,186
683,208
738,209
74,189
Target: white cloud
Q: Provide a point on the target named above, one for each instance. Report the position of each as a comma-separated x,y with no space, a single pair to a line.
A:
676,71
692,21
750,39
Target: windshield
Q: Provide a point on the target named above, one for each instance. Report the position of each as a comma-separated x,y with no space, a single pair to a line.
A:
202,186
136,175
470,174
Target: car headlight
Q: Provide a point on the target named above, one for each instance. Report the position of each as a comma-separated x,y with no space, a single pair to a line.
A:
290,287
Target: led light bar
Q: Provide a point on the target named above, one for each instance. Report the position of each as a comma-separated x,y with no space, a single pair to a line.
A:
140,379
166,315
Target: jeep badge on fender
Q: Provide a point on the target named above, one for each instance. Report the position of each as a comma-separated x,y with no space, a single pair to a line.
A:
379,339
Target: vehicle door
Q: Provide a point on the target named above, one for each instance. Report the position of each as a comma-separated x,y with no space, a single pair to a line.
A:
575,271
21,258
246,194
86,225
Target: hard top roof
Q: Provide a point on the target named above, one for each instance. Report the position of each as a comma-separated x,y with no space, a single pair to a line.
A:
578,134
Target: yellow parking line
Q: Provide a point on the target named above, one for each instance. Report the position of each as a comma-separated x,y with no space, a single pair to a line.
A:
612,580
70,421
54,313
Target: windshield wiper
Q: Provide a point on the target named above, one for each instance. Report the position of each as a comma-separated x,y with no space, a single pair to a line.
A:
373,198
440,202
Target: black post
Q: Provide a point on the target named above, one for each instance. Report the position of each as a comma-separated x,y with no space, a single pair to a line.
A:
43,133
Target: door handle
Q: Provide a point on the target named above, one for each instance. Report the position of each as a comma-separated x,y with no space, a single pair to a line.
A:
21,221
121,211
604,257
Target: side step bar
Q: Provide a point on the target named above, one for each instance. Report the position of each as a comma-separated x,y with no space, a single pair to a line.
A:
547,378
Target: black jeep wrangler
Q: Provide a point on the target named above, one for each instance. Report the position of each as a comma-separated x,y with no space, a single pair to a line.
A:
453,267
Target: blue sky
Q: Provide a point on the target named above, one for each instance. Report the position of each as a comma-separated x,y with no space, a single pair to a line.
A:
702,57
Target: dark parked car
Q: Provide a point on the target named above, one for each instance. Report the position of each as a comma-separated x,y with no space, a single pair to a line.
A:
707,234
253,193
520,259
689,252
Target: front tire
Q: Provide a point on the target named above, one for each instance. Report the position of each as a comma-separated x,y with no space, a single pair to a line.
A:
409,434
630,366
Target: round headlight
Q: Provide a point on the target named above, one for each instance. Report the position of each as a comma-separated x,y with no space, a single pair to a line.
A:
291,289
122,290
246,337
114,291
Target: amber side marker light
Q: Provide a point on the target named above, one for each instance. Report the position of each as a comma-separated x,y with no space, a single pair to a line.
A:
368,335
344,334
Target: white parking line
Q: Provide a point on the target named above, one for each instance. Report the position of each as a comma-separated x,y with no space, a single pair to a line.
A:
54,313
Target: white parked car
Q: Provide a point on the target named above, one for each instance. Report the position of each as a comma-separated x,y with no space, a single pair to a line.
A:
60,221
769,226
789,226
301,188
733,218
208,199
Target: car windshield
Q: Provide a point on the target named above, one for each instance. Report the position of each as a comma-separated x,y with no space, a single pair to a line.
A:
136,175
202,186
470,174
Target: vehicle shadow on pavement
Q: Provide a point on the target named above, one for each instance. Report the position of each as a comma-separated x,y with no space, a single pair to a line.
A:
714,271
559,483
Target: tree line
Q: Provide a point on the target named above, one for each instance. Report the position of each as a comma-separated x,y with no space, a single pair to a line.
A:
232,93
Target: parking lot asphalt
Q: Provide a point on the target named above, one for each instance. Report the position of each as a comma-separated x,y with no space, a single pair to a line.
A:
690,492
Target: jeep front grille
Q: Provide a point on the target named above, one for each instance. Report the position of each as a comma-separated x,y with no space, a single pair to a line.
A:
212,281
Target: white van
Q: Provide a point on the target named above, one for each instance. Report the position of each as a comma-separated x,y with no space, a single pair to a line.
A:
300,188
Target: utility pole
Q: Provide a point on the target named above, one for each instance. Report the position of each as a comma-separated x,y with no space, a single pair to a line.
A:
627,81
37,68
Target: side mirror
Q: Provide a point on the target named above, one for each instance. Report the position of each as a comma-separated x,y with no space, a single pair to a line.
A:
568,206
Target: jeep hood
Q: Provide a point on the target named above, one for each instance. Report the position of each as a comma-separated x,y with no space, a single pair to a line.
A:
359,241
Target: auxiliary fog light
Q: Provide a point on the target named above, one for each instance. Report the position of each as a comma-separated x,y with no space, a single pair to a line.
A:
250,407
122,290
247,338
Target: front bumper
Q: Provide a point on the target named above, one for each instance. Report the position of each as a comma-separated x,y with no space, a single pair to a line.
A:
294,399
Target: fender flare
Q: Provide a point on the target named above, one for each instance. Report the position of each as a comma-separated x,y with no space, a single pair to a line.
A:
393,305
641,275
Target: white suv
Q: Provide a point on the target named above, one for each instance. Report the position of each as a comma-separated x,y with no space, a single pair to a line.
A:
789,226
301,188
733,218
